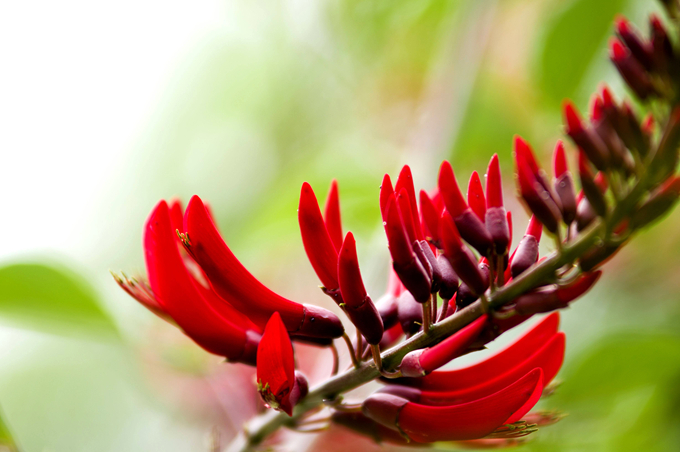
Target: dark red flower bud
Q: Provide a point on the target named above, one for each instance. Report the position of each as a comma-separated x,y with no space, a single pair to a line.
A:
405,182
471,228
619,156
321,251
409,313
276,367
233,282
582,285
592,192
387,308
465,295
358,305
526,253
662,49
331,215
475,196
496,218
539,201
450,282
405,263
630,69
564,184
630,126
427,258
585,214
640,49
421,362
460,257
584,138
431,216
210,322
658,203
476,419
598,256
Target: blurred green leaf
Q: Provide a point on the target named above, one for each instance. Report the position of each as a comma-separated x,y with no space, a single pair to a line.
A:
45,298
572,41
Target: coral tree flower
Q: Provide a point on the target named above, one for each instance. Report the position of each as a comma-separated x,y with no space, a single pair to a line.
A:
233,282
206,318
276,379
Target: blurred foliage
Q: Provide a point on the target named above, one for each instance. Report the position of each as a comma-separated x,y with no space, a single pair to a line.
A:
45,298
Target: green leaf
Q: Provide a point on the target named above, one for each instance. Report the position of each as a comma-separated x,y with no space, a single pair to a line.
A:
575,37
43,298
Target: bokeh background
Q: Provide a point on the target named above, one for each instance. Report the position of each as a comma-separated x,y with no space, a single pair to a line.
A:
105,108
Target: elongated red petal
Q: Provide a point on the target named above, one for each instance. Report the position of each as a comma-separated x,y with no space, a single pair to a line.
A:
331,215
452,347
494,187
233,282
406,214
535,228
548,357
461,259
180,298
276,366
405,182
579,287
176,215
522,150
506,358
448,187
397,237
386,193
321,251
572,118
559,159
475,196
430,216
470,420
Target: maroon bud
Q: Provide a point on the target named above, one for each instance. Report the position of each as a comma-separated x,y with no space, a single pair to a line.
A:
662,49
585,214
358,422
450,282
534,195
564,184
585,138
665,160
383,408
638,48
592,192
496,218
427,258
387,308
405,392
630,69
358,305
577,288
409,313
405,263
658,203
597,256
620,158
547,299
465,297
461,259
525,256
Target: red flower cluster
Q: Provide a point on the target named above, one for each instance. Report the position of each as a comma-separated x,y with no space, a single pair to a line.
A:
446,246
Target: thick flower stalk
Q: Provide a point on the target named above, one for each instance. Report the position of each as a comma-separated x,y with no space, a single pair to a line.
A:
456,283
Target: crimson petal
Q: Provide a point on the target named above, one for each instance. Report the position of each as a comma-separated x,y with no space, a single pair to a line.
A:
276,366
331,215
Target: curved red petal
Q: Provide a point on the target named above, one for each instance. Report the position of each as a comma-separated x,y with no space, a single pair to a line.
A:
430,215
405,182
321,251
494,187
331,215
559,160
406,210
397,237
450,192
386,193
516,352
475,196
233,282
452,347
351,284
470,420
276,365
177,293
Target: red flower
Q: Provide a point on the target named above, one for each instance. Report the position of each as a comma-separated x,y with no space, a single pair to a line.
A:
276,379
233,282
205,317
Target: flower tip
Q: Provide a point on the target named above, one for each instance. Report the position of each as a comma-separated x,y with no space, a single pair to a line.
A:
583,168
535,228
494,189
596,108
617,51
572,118
448,187
607,97
475,196
622,25
386,191
559,160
